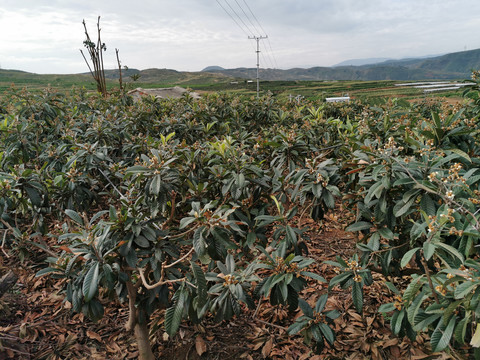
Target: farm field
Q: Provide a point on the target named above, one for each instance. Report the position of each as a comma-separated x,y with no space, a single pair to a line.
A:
208,83
240,228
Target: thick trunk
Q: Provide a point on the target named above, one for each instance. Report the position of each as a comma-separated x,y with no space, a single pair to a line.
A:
143,342
138,323
7,281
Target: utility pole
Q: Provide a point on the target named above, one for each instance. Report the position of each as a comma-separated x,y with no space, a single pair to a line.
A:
258,38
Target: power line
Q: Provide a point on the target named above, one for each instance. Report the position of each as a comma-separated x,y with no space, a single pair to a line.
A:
268,56
251,12
258,32
232,18
261,27
248,18
243,22
273,54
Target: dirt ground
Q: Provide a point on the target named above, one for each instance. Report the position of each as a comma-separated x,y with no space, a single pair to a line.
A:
35,323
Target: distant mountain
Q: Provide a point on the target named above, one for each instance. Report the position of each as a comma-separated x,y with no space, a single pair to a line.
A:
360,62
450,66
213,68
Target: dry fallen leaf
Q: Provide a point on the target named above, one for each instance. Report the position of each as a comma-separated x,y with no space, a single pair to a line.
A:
94,335
267,348
200,345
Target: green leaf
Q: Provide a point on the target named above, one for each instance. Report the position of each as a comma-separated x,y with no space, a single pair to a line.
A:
141,241
155,185
400,209
306,309
358,226
464,289
385,308
413,288
408,256
313,276
90,282
174,314
340,278
184,222
422,320
451,250
386,233
291,236
201,283
461,328
357,296
413,308
34,195
74,216
297,326
199,242
137,169
441,335
460,153
428,249
396,321
321,302
428,205
45,271
327,333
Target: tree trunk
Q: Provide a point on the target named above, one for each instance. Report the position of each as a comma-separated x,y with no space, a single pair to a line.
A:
143,342
7,281
138,323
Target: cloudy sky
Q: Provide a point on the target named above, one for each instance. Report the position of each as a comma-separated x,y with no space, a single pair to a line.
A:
44,36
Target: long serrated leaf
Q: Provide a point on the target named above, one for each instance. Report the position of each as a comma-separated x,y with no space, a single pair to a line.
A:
408,256
451,250
461,328
174,314
441,335
358,226
313,276
422,320
413,288
90,283
306,309
201,283
327,333
400,209
72,214
464,289
460,153
396,321
357,296
199,242
429,249
414,306
321,302
297,326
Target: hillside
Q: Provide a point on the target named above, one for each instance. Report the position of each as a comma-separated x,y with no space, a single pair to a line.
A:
451,66
447,67
146,78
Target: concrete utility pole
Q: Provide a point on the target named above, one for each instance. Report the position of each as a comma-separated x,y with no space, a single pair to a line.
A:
258,38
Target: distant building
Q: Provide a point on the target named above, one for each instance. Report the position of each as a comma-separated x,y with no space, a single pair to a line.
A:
338,99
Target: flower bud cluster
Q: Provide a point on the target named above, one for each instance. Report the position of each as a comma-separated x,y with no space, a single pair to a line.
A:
353,265
282,267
